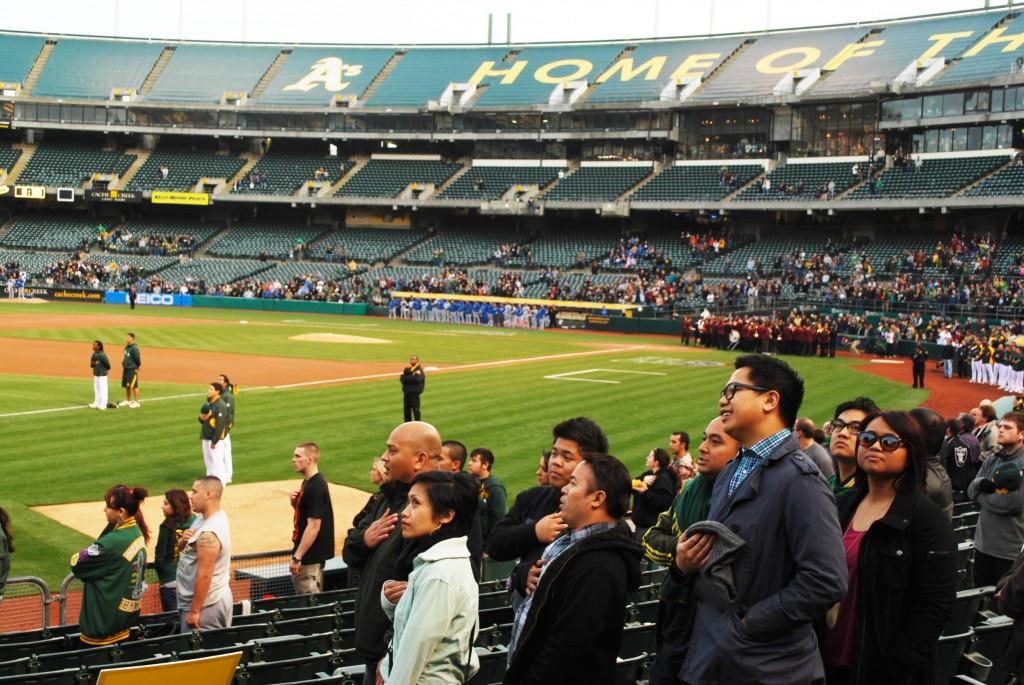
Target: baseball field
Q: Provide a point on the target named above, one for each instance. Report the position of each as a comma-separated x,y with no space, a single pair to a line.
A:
333,380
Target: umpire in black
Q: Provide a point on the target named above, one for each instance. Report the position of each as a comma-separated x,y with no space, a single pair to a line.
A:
413,382
919,359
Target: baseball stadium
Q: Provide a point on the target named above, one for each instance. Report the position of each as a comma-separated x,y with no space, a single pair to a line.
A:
565,229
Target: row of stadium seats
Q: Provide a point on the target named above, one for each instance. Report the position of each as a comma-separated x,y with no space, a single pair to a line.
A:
623,71
251,239
282,172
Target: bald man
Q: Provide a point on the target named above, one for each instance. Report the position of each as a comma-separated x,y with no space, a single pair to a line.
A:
373,546
204,567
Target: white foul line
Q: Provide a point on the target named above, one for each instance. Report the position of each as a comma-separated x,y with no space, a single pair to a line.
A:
567,375
376,376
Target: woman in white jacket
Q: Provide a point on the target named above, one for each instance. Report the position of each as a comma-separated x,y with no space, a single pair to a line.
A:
433,600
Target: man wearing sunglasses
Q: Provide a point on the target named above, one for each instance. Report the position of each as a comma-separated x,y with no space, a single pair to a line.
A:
1000,532
791,567
845,425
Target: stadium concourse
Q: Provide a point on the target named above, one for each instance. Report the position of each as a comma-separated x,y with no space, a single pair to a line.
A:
851,190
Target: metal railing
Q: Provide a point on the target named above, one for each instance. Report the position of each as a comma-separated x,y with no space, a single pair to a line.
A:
26,605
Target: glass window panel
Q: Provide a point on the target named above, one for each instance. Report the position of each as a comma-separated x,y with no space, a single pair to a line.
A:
945,140
974,138
952,104
988,138
997,101
959,139
1005,138
931,141
932,106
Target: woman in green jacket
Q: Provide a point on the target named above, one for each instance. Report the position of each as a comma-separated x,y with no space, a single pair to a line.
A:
178,518
6,547
112,570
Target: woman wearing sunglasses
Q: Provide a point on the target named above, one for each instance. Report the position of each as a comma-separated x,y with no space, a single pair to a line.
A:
901,559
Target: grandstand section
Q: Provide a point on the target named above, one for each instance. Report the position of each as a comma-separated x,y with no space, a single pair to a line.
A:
746,258
598,182
1008,181
758,69
315,76
387,177
209,273
938,177
184,169
463,246
529,76
159,236
204,73
365,245
891,49
566,248
804,180
50,231
252,239
422,74
989,55
17,53
80,68
63,163
694,182
642,74
284,172
490,182
8,156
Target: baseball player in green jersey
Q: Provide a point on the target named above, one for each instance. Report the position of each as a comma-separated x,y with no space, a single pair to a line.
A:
130,372
100,368
228,396
112,570
214,426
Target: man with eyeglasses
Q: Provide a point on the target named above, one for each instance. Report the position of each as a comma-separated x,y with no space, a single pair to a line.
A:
996,489
846,424
791,567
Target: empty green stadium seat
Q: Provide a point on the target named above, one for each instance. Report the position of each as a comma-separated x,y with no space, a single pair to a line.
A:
285,172
92,68
360,65
212,272
184,169
203,73
71,164
366,245
1009,181
50,231
388,177
527,90
597,183
17,54
274,240
491,182
422,74
9,156
807,178
937,178
695,183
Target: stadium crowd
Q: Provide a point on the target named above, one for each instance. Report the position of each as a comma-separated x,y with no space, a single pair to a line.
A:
795,554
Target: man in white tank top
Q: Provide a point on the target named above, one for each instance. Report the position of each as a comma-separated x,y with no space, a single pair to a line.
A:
204,568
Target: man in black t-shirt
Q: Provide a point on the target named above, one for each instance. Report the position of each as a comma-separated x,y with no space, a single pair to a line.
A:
313,534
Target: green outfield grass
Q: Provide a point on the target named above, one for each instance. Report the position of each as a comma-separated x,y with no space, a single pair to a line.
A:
75,455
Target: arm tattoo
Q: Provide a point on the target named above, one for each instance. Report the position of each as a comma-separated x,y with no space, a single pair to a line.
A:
208,541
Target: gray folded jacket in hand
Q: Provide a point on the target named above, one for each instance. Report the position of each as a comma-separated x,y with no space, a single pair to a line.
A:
718,570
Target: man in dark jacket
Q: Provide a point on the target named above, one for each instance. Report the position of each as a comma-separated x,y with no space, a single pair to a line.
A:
961,454
570,629
413,382
373,546
918,359
534,521
792,567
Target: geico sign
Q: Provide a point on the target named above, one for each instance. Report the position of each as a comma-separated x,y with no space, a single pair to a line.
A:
162,299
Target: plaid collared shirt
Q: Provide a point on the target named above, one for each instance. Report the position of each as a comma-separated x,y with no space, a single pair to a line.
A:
551,552
753,456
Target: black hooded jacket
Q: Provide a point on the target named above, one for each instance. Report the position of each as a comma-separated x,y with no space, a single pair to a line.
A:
573,629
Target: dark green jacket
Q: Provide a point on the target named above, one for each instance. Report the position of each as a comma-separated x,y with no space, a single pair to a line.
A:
165,558
228,397
5,561
493,501
99,363
132,357
112,571
215,423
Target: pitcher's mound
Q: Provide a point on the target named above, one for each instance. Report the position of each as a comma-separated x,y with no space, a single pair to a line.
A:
339,338
259,513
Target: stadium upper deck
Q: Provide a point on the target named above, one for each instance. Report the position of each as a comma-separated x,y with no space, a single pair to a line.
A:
942,52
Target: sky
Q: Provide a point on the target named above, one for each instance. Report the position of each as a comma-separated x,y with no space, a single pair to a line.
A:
404,22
